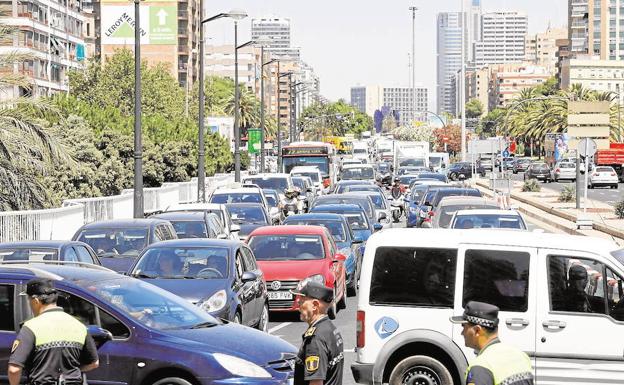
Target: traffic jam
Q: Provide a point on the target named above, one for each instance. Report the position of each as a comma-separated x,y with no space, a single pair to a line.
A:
186,296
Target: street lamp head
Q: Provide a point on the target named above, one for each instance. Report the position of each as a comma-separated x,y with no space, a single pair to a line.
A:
237,14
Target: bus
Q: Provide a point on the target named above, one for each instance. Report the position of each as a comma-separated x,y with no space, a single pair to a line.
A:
319,154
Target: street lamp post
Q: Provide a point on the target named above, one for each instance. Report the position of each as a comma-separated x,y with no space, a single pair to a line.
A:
201,172
138,140
262,125
279,122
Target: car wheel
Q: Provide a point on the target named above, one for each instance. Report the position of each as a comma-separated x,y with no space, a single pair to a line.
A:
263,323
172,381
420,370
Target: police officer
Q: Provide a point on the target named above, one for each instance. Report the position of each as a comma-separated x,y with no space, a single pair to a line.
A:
53,347
320,359
496,363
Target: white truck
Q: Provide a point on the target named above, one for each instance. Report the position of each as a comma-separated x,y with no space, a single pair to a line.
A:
411,154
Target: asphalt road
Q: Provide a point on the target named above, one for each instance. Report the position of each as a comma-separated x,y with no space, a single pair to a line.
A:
601,194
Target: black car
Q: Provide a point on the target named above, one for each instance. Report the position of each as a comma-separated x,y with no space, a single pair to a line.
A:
463,168
194,224
219,276
118,242
69,251
539,171
145,334
520,165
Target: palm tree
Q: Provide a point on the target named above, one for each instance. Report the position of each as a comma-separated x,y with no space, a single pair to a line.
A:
27,151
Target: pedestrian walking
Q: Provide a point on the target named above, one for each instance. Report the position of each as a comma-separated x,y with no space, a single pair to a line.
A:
53,348
497,363
321,358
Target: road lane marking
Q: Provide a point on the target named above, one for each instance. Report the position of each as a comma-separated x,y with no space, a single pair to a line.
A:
278,327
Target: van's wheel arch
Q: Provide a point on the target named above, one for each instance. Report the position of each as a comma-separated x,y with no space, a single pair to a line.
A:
420,370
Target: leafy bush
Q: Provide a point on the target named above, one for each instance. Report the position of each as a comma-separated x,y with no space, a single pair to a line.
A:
619,209
568,194
531,185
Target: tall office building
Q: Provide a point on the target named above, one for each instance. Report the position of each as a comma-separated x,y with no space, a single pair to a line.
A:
449,55
51,32
274,34
503,36
596,27
401,99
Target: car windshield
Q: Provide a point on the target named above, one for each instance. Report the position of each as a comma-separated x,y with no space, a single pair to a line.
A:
358,173
247,215
28,254
312,175
190,229
115,242
336,228
236,198
135,298
278,184
446,212
488,221
183,263
286,247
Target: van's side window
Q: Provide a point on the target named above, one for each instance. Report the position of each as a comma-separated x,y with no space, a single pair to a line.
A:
7,302
576,285
413,277
497,277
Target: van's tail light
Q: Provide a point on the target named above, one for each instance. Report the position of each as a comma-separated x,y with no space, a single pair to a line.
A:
360,329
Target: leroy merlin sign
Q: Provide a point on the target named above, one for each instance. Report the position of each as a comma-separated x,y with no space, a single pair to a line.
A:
159,24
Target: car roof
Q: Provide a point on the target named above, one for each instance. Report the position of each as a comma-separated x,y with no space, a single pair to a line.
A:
451,238
289,230
124,223
487,212
338,206
181,216
316,216
44,244
196,242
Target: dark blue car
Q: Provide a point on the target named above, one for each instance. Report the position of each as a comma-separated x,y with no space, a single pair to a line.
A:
219,276
350,245
145,334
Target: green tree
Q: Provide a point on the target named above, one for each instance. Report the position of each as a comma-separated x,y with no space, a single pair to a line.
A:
474,108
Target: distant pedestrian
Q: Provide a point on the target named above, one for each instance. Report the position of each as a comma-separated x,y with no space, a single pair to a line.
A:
497,363
321,358
53,348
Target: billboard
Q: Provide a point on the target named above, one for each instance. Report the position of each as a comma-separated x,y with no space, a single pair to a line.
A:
159,24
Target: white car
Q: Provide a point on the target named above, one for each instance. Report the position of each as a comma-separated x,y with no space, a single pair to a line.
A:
603,176
313,173
560,300
487,219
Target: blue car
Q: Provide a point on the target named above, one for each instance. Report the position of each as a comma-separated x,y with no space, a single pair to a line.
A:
348,244
355,215
220,276
146,335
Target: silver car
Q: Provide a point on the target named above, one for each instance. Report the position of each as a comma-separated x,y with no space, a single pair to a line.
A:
564,170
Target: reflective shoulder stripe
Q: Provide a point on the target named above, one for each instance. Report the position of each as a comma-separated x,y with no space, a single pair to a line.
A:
507,364
55,329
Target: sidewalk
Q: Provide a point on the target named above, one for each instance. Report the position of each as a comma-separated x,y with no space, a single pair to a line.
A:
544,206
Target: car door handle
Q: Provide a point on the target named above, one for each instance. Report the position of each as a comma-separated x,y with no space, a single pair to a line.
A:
554,324
517,322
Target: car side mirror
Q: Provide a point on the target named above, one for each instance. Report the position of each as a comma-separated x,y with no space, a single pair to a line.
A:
235,228
340,257
249,276
99,335
377,226
357,239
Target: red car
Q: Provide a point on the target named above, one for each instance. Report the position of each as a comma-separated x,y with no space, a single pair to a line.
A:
288,255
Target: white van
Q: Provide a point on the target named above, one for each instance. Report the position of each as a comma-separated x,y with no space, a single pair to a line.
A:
411,284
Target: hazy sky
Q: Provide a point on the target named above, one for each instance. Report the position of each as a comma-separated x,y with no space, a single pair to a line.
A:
350,42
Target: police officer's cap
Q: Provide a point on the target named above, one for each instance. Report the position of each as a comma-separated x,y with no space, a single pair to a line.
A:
478,313
315,290
39,286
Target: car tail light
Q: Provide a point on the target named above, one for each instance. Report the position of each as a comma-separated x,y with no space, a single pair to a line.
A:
360,329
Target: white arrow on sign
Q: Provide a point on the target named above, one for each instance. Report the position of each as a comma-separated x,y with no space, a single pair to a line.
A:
162,17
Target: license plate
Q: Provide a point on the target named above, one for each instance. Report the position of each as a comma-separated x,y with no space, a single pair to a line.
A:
280,295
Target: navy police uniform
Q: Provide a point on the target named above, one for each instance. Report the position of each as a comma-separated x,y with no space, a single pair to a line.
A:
321,354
